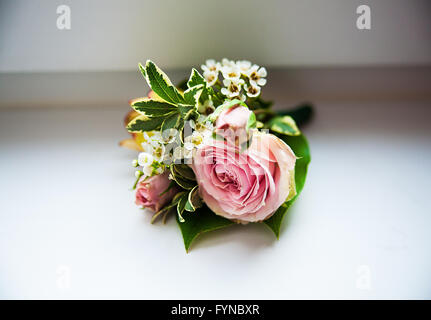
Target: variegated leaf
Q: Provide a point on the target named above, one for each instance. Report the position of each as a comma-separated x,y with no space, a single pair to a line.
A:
195,79
194,198
173,121
142,69
144,123
184,171
181,206
186,110
152,107
284,125
160,84
191,95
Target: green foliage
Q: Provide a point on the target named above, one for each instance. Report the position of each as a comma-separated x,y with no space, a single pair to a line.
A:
193,201
191,95
184,180
172,121
186,111
145,123
153,108
198,222
196,79
251,122
161,85
284,125
181,206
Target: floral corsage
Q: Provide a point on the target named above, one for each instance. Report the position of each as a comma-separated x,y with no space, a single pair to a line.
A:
212,151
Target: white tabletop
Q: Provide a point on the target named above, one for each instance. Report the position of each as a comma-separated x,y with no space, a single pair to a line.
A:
360,229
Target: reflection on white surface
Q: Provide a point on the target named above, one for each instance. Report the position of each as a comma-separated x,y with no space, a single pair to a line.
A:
69,228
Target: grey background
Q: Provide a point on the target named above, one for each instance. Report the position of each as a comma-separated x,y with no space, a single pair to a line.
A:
115,35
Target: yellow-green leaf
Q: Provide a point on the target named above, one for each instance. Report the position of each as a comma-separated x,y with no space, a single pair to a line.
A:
284,125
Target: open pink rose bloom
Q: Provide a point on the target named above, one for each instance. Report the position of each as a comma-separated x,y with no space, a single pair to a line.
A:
248,186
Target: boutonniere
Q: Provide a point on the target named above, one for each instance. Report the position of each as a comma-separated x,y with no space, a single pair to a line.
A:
212,152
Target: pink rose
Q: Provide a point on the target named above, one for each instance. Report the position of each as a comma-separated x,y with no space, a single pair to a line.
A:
248,186
148,192
232,122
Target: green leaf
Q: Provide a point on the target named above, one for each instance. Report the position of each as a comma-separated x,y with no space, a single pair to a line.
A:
161,85
251,122
300,147
189,207
184,171
284,125
186,110
191,95
180,180
208,92
195,79
144,123
172,121
198,222
142,69
193,201
181,206
153,108
194,198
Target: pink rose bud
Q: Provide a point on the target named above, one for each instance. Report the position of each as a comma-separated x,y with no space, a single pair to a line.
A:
149,192
248,186
232,123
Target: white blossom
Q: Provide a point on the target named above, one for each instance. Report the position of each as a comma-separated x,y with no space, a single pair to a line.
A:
211,77
201,124
148,170
243,66
169,135
145,159
233,87
178,153
257,75
227,63
231,72
252,90
211,65
207,107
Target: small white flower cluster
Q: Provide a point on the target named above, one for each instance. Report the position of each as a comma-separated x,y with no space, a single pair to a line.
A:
202,134
151,159
237,75
157,147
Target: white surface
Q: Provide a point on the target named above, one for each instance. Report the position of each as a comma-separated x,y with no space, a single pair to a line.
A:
115,35
66,202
